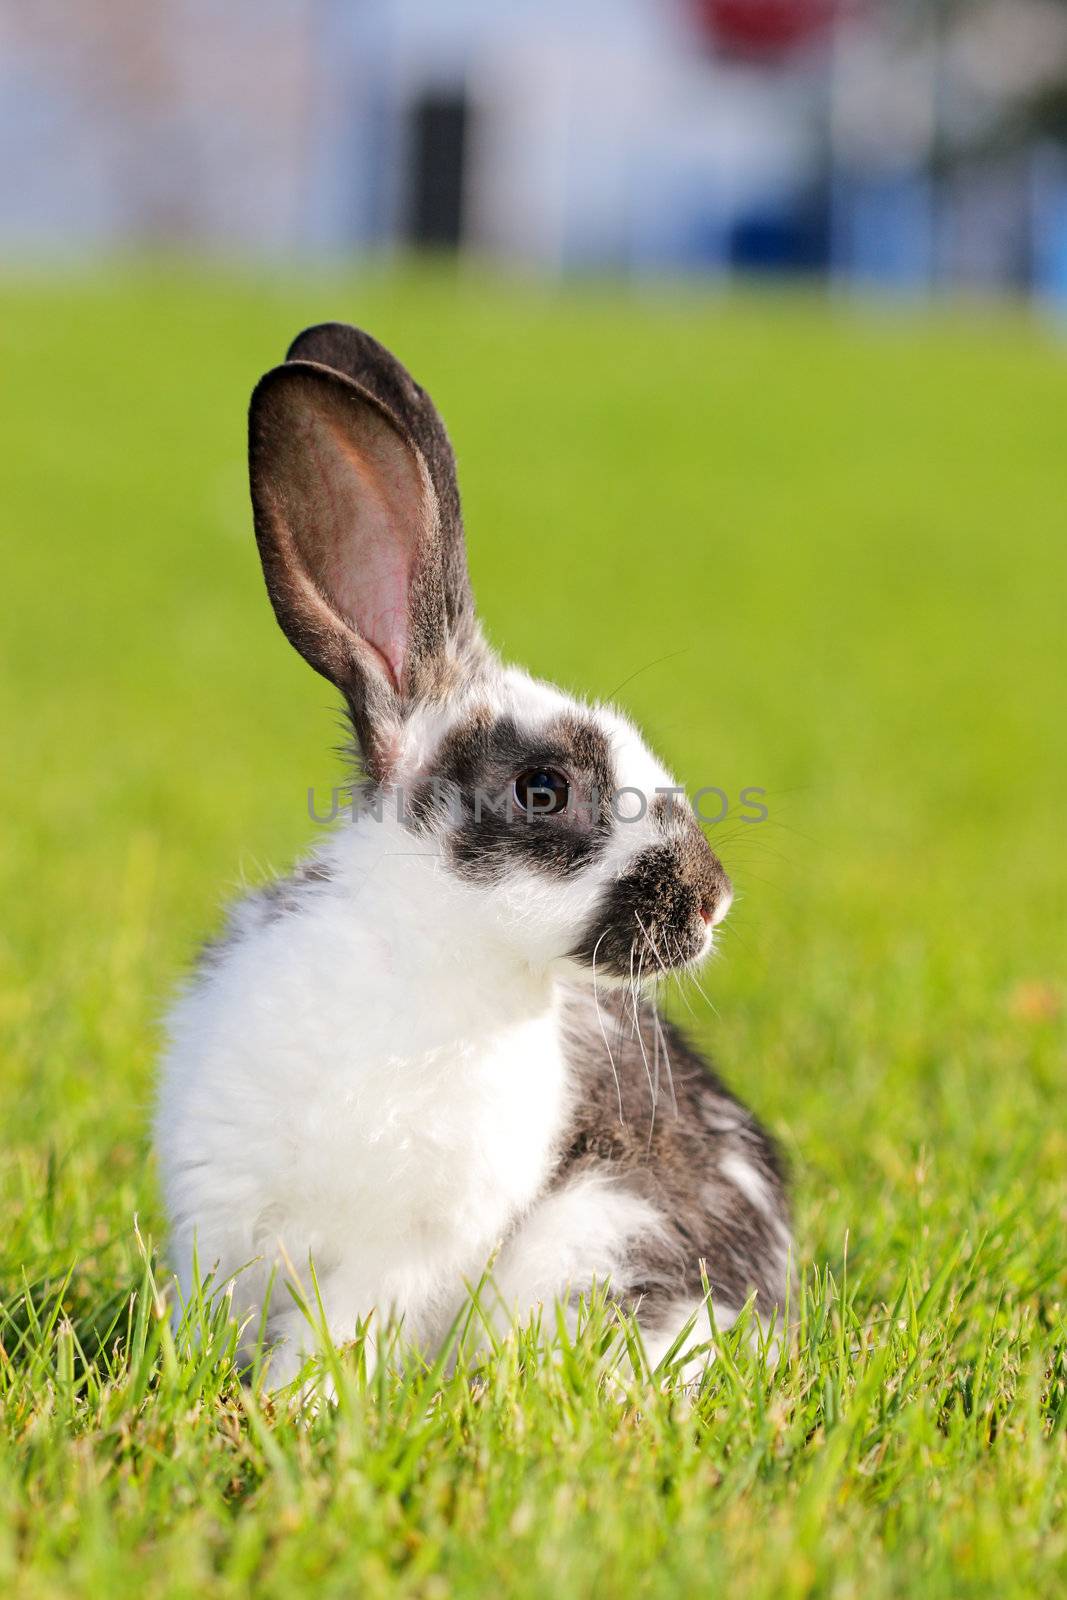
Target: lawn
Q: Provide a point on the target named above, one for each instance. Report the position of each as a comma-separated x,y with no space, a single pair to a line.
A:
817,549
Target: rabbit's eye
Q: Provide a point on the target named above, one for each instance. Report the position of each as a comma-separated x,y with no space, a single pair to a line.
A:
542,791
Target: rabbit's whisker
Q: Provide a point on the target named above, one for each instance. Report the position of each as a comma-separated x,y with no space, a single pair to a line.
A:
662,1042
658,1034
603,1030
640,1035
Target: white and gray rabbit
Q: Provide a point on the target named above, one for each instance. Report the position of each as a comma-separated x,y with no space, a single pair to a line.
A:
436,1042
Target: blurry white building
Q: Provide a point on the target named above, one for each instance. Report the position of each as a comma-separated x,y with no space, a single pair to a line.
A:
552,134
555,135
635,135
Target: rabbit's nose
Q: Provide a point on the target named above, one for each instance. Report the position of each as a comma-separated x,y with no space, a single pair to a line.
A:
716,899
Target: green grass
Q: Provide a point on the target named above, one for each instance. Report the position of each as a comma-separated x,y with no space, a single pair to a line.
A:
825,550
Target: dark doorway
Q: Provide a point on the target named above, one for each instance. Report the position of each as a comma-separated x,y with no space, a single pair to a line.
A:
438,133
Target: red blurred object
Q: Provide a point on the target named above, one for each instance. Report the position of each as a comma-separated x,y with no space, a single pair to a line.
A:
763,27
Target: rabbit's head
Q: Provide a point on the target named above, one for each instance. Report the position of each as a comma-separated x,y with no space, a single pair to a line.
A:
553,812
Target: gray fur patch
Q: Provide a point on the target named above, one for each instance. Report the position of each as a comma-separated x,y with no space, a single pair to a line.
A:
486,833
669,1131
651,916
282,897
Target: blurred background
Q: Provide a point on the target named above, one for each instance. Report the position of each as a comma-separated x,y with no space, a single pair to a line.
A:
906,145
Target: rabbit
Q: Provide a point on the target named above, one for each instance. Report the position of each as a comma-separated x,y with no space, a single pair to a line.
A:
435,1045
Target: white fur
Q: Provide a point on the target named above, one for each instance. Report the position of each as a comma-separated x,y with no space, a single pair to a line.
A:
689,1322
375,1081
577,1236
736,1170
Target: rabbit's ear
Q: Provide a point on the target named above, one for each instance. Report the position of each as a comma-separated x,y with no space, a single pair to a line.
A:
349,531
355,354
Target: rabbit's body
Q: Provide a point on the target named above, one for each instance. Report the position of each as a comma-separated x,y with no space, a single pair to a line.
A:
311,1106
433,1045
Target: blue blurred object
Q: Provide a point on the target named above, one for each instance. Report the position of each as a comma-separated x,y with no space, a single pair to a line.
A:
882,230
788,237
1049,226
